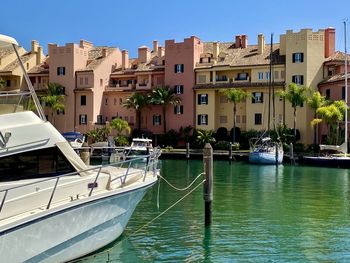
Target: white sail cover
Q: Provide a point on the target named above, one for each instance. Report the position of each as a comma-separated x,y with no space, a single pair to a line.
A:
72,156
340,148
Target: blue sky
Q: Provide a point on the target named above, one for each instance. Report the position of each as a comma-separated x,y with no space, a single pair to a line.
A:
133,23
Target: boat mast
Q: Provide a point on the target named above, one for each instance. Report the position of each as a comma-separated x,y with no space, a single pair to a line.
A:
270,76
346,91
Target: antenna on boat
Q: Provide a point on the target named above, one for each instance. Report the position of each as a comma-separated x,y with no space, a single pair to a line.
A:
30,86
270,77
346,91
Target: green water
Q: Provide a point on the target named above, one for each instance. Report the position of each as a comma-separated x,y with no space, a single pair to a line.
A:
260,214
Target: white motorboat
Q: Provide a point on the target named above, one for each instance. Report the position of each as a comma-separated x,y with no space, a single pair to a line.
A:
138,147
53,208
265,151
75,139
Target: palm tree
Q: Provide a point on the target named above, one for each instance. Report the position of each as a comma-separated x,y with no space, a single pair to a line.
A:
296,95
137,101
54,98
316,101
120,125
332,114
235,96
204,137
164,96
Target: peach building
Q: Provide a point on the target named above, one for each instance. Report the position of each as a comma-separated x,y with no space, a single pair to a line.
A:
10,70
98,80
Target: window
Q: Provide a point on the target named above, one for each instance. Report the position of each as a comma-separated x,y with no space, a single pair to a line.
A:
120,101
179,68
202,79
106,101
267,75
8,83
298,79
258,119
179,109
223,99
82,100
156,120
257,97
61,71
283,74
179,89
101,82
223,119
244,118
82,119
242,76
34,164
81,81
343,93
202,119
86,81
115,101
298,57
328,94
202,99
260,75
99,119
238,119
277,74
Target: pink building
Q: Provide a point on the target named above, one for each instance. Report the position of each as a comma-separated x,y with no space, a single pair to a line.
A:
333,85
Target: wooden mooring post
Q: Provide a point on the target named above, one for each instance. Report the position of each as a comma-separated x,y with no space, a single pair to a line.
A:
291,154
230,152
187,150
208,184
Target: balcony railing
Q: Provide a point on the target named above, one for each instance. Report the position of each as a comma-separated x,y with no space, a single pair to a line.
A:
143,86
120,87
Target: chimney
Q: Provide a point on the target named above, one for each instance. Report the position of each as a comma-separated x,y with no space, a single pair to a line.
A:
238,42
216,50
35,45
244,41
261,43
104,52
155,46
161,51
329,42
39,55
144,54
125,59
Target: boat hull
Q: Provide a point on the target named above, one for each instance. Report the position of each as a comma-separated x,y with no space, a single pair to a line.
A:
265,157
333,162
70,233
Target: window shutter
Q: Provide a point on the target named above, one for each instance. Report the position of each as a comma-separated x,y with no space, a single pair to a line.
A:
153,119
79,119
293,79
182,89
253,98
160,119
293,57
301,80
198,119
181,109
199,99
58,71
262,97
64,70
175,68
175,109
302,57
182,67
206,119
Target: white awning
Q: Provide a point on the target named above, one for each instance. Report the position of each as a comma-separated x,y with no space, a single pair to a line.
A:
7,41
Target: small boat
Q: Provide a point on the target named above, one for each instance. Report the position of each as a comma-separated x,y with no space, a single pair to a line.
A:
53,207
138,147
263,151
75,139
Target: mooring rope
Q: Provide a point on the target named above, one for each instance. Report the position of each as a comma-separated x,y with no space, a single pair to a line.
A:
166,210
181,189
155,218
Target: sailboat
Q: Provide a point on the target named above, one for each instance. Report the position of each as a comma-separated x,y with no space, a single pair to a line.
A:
341,161
264,150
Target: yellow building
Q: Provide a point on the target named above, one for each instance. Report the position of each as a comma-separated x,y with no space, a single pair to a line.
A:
297,58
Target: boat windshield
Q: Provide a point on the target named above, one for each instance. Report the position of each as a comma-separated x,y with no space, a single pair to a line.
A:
15,102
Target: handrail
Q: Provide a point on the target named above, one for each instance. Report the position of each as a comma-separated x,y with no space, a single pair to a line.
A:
153,159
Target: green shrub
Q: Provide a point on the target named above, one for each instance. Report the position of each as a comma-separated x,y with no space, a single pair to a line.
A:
222,145
121,141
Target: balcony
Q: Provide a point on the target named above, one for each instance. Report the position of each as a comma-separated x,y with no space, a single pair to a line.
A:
113,87
143,86
247,79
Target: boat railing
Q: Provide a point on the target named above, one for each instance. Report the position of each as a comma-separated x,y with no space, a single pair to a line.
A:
141,167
